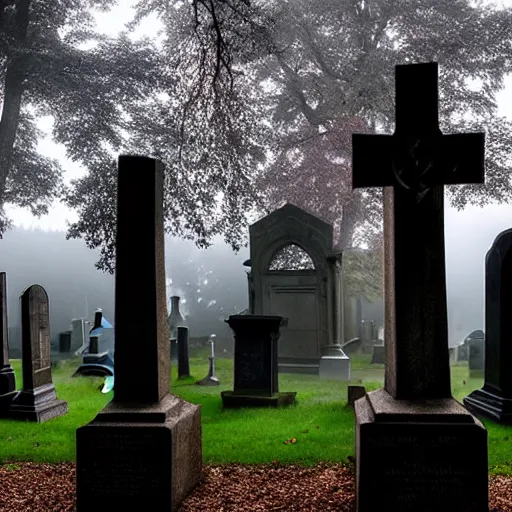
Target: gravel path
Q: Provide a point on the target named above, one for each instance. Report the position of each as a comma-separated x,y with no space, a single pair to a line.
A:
33,487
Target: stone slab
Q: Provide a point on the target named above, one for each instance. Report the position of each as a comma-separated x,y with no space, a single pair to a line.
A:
386,409
231,400
141,457
406,463
37,405
482,402
334,368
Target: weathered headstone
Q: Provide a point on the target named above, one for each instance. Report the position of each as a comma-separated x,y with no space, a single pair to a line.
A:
7,376
476,357
255,363
494,400
210,379
143,450
412,437
38,400
183,361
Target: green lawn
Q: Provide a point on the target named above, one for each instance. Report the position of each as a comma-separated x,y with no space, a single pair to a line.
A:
321,422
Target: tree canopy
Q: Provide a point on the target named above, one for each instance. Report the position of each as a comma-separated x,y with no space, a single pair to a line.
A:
54,63
248,103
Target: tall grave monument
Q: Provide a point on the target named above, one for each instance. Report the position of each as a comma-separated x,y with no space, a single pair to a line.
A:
37,401
7,377
494,400
412,437
143,451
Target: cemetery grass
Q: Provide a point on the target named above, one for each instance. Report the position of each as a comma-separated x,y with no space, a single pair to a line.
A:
320,428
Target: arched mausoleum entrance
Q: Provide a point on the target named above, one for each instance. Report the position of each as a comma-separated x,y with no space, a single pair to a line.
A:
295,274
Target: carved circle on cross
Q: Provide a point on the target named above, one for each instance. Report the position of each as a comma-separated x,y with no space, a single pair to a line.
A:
415,162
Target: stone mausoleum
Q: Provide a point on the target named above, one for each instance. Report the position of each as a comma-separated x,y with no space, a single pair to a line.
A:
296,273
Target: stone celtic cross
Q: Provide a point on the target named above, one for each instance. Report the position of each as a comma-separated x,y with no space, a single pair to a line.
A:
415,162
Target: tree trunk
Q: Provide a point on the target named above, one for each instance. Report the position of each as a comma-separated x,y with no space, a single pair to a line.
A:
350,215
13,92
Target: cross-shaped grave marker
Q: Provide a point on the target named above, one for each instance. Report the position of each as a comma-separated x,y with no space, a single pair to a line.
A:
412,437
416,161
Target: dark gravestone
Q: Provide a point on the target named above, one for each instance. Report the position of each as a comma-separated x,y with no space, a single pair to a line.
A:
143,450
65,342
255,363
7,377
378,355
476,356
412,437
355,393
183,361
38,400
494,400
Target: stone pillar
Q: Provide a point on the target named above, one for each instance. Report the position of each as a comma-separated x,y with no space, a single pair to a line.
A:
334,363
339,303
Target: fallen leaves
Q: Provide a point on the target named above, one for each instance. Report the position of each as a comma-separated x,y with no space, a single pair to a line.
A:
326,487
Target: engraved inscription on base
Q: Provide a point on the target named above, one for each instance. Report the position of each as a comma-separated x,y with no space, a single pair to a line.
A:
125,463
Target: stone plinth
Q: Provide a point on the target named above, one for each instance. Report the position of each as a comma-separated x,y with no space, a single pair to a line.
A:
145,457
255,363
419,456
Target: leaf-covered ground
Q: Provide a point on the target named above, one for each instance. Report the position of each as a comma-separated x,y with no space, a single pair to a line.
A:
232,487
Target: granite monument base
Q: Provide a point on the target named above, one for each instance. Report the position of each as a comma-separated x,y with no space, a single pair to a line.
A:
490,405
140,457
232,400
419,456
37,405
334,368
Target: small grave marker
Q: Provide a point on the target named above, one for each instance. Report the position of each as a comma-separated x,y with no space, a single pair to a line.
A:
38,400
